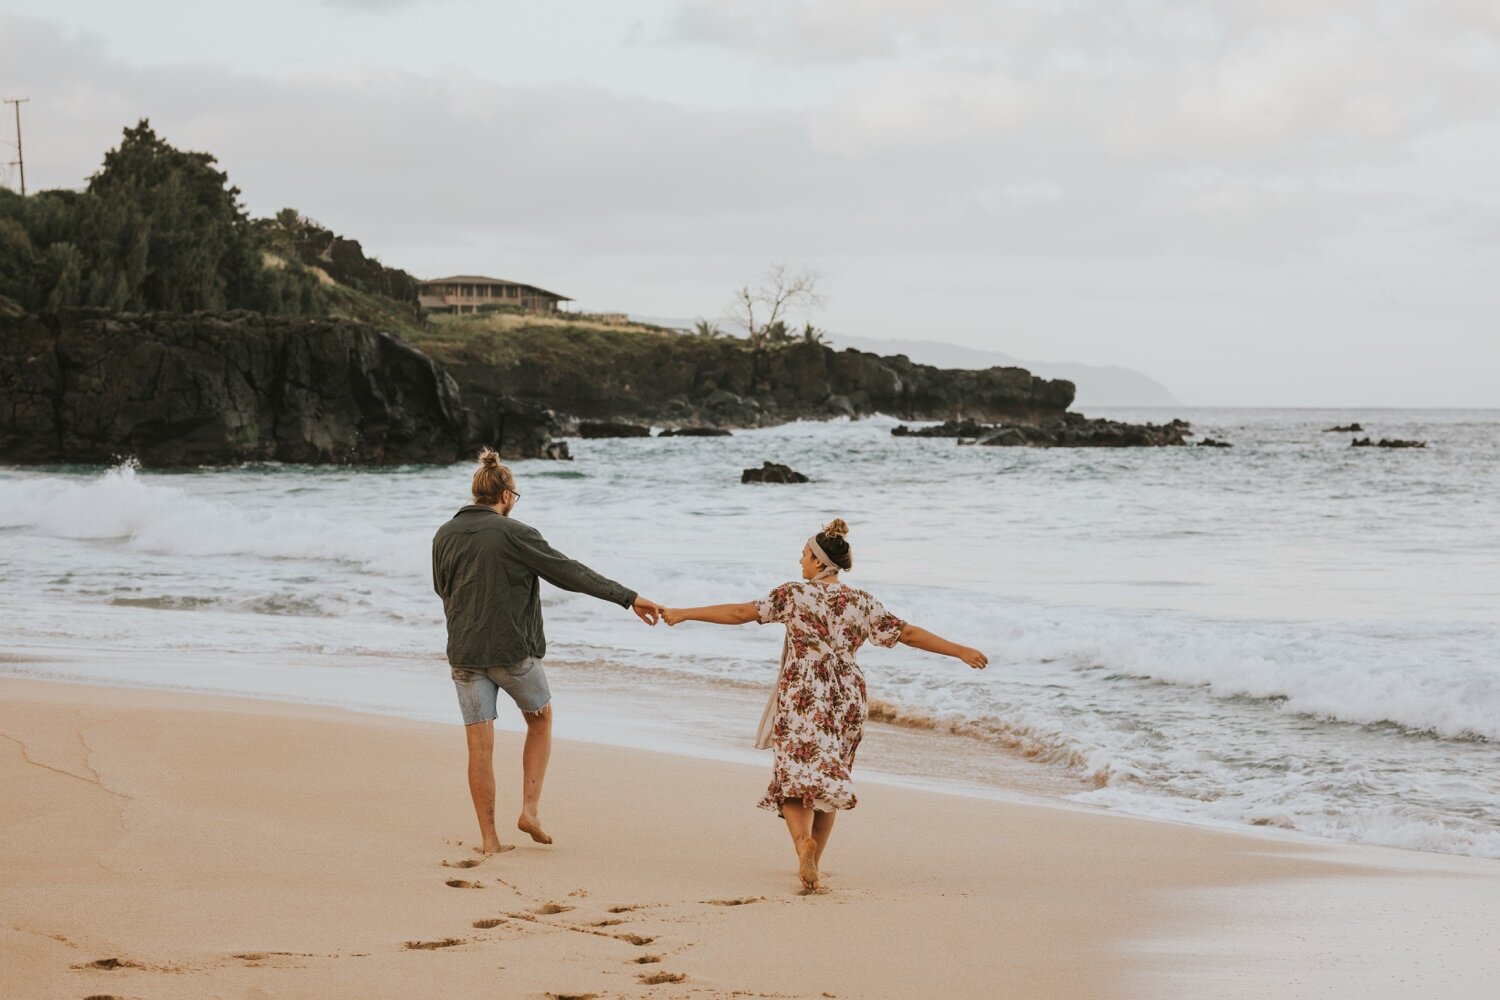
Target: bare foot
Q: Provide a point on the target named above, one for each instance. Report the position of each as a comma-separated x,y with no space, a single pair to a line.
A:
807,863
494,847
529,824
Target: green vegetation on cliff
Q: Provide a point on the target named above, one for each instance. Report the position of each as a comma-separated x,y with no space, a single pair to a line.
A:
156,228
563,344
160,230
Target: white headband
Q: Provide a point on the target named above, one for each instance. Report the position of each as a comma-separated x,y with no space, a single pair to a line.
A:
830,567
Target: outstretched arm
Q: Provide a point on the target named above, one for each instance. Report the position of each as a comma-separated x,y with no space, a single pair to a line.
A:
919,638
569,574
714,614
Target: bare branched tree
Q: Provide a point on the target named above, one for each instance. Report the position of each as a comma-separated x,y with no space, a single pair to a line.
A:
765,306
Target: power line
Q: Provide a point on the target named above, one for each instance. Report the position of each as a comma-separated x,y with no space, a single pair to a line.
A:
20,160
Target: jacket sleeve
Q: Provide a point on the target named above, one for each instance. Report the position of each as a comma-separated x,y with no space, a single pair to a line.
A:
438,583
557,569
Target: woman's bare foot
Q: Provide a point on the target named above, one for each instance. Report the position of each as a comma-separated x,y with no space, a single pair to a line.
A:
494,847
807,863
530,825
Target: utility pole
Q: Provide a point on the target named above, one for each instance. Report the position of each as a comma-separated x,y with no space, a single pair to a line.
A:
20,160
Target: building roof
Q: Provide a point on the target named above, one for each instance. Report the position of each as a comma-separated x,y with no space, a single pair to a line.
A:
479,279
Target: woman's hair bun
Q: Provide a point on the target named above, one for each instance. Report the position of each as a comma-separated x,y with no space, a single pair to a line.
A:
489,458
836,528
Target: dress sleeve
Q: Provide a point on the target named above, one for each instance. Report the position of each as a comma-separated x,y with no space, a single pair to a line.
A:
885,628
777,606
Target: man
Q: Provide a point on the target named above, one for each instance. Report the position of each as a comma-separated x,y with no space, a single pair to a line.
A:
485,567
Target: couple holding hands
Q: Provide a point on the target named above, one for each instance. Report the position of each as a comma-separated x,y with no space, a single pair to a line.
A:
486,566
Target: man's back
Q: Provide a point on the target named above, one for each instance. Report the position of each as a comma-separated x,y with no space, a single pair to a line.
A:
485,567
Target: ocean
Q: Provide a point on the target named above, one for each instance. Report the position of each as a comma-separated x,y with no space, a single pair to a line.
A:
1290,633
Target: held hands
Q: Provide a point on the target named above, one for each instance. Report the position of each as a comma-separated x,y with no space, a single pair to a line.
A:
650,612
647,610
973,657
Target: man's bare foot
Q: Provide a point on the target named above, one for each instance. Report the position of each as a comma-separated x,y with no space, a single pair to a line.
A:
494,847
530,825
807,863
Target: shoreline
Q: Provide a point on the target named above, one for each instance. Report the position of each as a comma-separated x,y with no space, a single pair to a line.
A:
894,754
171,844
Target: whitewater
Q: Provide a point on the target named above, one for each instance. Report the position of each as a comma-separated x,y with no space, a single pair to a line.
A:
1290,633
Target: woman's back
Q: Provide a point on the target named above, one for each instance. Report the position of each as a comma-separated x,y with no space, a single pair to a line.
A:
829,618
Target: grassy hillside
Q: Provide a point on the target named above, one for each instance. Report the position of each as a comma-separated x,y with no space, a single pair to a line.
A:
375,310
562,344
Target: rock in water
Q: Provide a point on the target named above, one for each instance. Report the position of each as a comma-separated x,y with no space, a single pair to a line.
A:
1386,443
771,472
946,429
1350,429
1074,430
693,432
611,429
1071,430
1211,443
214,388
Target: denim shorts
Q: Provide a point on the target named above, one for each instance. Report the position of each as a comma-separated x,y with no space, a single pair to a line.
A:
478,689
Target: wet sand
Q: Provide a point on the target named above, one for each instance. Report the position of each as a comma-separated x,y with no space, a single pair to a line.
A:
170,845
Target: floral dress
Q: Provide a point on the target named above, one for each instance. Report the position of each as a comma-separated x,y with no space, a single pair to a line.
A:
820,698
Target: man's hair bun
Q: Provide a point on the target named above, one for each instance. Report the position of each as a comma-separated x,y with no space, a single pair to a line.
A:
491,479
836,528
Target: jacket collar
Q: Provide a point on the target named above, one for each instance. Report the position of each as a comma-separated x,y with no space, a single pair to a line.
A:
474,508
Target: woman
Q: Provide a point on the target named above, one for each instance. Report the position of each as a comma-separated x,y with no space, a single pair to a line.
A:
818,711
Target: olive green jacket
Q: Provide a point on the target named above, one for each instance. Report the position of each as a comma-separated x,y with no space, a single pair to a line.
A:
485,567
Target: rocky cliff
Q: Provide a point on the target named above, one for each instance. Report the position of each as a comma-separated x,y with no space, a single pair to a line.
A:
211,388
684,380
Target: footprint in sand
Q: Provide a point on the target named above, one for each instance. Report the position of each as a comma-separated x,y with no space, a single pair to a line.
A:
465,863
548,909
734,902
572,996
634,939
109,963
656,978
458,883
623,909
486,924
433,945
606,923
102,996
647,960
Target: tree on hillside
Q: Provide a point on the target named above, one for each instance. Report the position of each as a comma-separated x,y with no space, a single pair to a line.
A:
704,328
761,307
156,228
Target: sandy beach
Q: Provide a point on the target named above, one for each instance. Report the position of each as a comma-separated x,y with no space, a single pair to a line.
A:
166,845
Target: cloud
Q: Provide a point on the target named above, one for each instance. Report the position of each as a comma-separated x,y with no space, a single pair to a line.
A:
1241,79
372,5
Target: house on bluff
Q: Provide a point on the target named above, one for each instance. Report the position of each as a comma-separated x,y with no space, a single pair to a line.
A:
469,293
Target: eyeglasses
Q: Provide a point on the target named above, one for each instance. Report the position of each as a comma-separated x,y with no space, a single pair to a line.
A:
514,494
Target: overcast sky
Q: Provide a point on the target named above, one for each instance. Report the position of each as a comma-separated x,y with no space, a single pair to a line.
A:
1280,202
